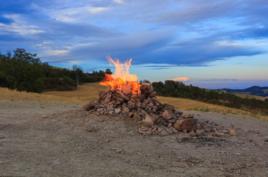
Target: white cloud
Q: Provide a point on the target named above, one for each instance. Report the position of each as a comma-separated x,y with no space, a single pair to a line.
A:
19,26
75,14
48,48
97,10
250,43
119,1
61,52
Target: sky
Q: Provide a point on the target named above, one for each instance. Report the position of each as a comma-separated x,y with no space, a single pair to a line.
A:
208,43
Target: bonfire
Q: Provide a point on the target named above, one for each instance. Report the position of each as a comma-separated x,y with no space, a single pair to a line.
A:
129,98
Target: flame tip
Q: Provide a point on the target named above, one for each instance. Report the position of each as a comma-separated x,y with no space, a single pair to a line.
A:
121,80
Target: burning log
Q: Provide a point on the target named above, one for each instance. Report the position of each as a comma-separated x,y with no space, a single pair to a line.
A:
129,98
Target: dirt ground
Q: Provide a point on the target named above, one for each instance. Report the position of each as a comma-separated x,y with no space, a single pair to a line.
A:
58,140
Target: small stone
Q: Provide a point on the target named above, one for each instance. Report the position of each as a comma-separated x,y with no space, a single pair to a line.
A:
89,106
92,129
177,124
188,116
174,130
218,134
166,115
200,132
44,116
107,140
117,150
164,132
125,109
185,125
232,131
148,121
117,110
145,130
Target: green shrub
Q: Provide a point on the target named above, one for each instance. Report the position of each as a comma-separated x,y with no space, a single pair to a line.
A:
24,71
63,83
178,89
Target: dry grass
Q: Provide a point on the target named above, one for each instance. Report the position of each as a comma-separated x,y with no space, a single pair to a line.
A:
82,95
13,95
187,104
246,95
193,105
89,92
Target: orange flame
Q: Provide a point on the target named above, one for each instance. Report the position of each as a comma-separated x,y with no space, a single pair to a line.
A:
121,79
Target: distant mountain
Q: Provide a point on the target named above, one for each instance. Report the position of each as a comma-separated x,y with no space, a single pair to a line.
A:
254,90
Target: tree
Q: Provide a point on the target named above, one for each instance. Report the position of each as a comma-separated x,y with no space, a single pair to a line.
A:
108,71
23,55
178,89
23,70
76,70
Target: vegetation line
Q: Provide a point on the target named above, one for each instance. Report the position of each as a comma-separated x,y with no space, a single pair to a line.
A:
24,71
178,89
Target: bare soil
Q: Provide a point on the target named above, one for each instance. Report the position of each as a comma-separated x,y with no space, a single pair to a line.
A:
58,140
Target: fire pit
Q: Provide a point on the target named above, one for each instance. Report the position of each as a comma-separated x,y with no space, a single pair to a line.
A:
129,98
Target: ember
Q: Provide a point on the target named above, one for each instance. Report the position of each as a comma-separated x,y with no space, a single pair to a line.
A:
129,98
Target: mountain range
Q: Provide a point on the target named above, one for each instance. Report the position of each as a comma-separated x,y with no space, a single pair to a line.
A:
254,90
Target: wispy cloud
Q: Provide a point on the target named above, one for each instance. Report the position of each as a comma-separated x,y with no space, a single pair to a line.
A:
62,52
196,11
76,14
187,32
19,26
119,1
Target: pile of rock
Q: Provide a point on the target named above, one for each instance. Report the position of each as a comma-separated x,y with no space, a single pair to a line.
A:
153,116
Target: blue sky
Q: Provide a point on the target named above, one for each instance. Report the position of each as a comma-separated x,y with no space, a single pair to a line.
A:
221,43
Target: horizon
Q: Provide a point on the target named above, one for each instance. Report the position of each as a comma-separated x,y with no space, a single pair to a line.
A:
204,43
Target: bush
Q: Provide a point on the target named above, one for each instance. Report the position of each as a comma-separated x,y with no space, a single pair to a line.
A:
38,85
63,83
24,71
178,89
3,80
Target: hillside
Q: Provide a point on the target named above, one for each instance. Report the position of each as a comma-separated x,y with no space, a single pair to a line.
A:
176,89
254,90
88,92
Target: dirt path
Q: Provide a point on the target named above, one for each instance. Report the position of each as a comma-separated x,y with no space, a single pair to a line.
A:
70,142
